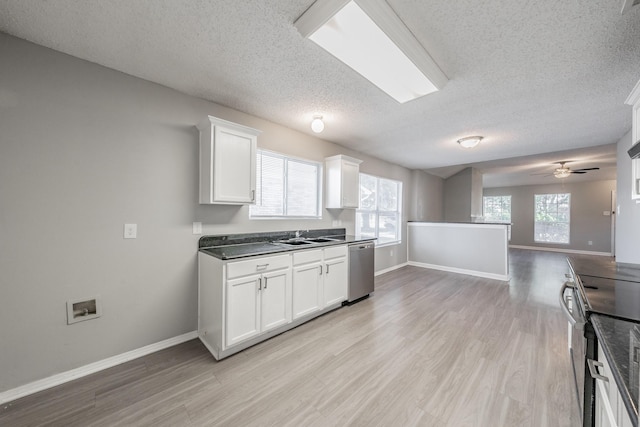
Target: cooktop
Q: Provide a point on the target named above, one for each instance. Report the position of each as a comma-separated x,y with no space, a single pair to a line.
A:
617,298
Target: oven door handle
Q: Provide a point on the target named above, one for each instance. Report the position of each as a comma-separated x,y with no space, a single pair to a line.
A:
575,323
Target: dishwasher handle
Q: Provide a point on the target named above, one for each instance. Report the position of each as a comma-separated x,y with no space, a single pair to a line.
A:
360,246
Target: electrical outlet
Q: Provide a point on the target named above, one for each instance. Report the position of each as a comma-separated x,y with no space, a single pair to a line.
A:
590,242
130,231
391,252
197,228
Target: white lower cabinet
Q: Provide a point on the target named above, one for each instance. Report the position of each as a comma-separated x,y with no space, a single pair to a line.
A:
243,309
336,277
307,287
244,302
256,304
610,408
320,279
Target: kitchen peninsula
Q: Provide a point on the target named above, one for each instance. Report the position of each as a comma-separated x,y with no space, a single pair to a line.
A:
477,249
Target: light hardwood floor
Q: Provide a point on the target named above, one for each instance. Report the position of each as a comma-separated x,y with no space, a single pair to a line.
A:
428,349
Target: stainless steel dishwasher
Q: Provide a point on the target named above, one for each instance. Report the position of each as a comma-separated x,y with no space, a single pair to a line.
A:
360,271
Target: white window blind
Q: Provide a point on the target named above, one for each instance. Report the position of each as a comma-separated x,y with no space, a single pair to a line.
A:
286,187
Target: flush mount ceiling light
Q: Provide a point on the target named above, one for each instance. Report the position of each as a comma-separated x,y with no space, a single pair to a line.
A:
369,37
317,125
470,141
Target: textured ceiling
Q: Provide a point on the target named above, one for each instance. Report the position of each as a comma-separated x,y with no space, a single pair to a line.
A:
531,77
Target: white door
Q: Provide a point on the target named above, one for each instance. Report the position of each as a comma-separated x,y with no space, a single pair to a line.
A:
242,309
274,308
335,281
307,280
350,185
235,165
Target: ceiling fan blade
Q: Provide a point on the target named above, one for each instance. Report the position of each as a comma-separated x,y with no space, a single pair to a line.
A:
586,169
541,174
578,171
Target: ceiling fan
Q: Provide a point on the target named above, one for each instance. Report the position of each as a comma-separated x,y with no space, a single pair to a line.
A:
564,171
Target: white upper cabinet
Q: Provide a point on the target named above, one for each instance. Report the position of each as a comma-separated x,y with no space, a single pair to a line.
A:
342,182
227,162
634,101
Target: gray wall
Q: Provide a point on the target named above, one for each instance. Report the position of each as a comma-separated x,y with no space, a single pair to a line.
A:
628,212
463,196
85,149
426,197
589,200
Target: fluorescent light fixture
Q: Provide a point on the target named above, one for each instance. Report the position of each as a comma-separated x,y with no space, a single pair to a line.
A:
470,141
369,37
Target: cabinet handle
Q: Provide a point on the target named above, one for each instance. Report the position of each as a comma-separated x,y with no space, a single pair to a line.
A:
259,283
253,195
265,282
262,266
327,269
600,380
321,270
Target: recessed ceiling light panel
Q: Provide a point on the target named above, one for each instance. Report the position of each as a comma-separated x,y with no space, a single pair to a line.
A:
370,38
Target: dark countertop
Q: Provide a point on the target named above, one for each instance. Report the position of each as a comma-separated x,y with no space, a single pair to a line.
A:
620,342
268,247
605,267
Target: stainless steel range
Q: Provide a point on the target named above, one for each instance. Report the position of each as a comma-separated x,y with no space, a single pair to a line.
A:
606,288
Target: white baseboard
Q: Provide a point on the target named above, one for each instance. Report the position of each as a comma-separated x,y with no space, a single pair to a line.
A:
502,277
569,251
387,270
54,380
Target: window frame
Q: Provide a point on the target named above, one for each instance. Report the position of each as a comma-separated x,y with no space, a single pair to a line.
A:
378,213
286,158
501,197
536,222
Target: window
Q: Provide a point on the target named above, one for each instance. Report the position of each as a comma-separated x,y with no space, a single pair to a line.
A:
552,218
286,187
497,209
380,209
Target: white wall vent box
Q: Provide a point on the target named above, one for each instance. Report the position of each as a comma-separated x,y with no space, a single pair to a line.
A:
83,309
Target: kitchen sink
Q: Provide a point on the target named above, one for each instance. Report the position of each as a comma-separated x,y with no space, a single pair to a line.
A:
301,241
294,242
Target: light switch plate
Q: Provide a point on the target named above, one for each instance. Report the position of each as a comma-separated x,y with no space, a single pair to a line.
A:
130,231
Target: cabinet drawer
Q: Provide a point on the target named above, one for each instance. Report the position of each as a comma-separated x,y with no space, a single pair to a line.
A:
304,257
335,251
257,265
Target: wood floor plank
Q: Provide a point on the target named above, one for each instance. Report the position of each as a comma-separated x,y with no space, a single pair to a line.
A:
429,348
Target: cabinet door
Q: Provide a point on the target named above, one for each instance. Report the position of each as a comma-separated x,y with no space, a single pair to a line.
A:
242,309
234,166
275,311
307,296
335,281
350,185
